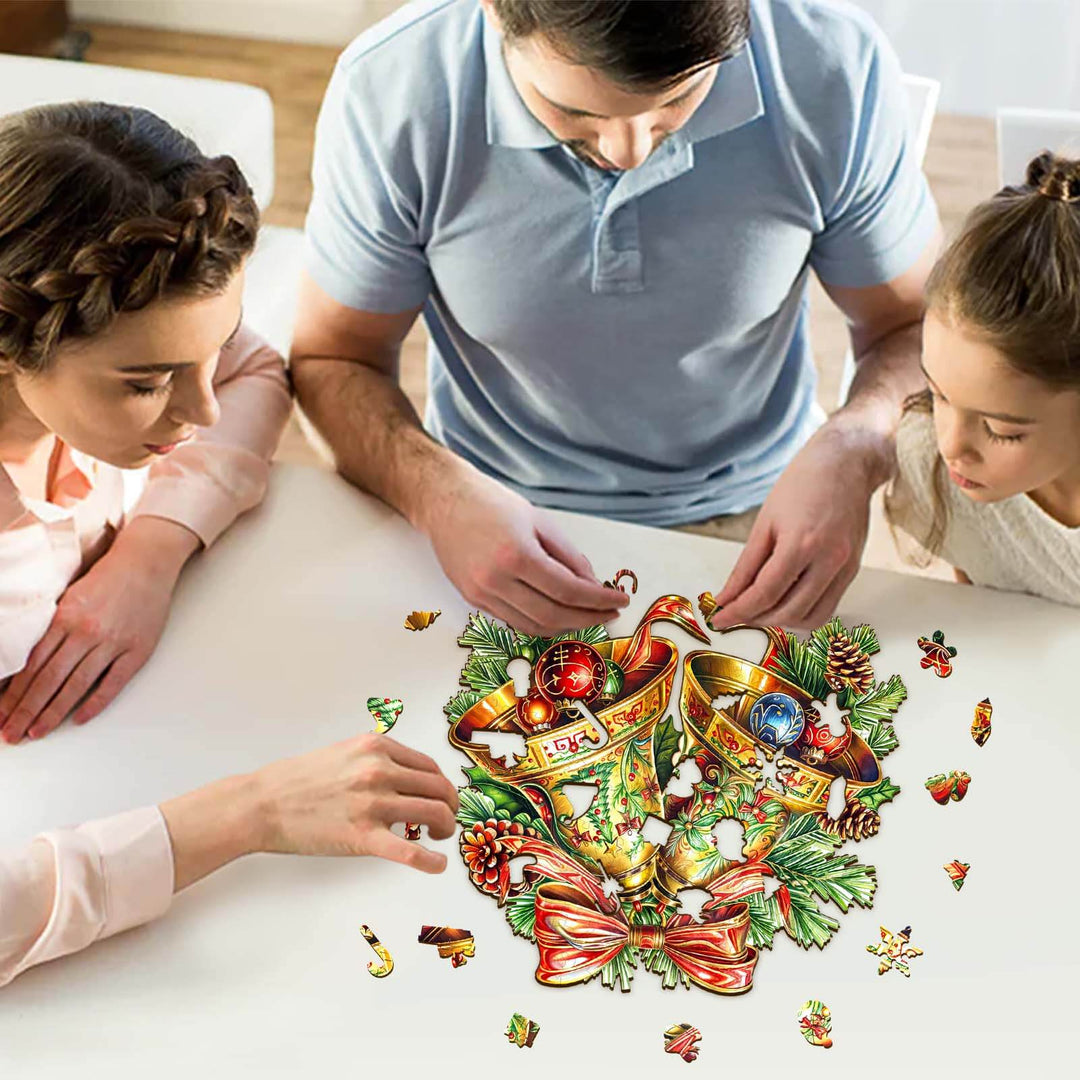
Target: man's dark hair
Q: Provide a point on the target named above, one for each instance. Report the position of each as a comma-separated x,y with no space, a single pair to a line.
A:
638,44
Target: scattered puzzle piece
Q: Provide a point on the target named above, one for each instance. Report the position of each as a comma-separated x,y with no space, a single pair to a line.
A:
421,620
385,712
957,872
895,952
953,786
682,1039
619,575
522,1031
412,830
938,654
980,726
459,945
706,603
815,1022
386,961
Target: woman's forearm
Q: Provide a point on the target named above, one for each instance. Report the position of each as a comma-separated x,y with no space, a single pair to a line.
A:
213,826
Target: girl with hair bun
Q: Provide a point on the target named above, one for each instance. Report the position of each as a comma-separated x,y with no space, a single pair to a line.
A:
989,454
122,252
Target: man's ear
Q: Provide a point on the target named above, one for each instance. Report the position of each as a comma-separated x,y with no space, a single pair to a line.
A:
491,15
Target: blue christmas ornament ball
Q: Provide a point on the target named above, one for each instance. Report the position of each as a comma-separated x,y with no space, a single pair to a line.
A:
777,720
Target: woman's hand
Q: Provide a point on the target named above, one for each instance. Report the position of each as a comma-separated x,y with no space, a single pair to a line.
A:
106,626
340,800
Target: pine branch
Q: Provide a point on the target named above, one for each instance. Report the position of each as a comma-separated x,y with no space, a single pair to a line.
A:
881,738
865,638
461,703
487,638
661,964
799,666
520,913
474,807
807,924
591,635
879,703
620,969
765,919
485,673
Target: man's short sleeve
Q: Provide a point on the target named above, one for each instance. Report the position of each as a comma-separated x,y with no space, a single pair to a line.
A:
362,244
882,215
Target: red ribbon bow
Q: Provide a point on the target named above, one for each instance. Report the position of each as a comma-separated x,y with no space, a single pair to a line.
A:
576,939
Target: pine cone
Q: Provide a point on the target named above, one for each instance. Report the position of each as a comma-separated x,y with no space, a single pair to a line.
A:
484,855
847,666
856,821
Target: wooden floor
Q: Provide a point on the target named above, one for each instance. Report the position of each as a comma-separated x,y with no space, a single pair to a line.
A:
960,164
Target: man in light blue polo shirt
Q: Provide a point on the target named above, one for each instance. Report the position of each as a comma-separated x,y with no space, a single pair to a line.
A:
608,213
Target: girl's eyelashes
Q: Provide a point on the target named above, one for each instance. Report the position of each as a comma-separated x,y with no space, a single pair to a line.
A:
995,437
145,390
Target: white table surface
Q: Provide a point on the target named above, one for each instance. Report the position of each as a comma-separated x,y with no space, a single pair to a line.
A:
294,619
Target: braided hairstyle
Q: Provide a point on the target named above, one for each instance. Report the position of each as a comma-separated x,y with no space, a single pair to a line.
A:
1012,276
105,209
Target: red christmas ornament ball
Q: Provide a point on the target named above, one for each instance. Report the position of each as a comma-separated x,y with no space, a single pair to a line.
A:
535,712
569,671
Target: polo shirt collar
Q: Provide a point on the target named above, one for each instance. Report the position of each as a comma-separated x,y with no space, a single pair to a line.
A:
509,122
735,99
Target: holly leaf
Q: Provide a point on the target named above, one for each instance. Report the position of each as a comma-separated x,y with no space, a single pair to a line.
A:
501,796
882,792
665,745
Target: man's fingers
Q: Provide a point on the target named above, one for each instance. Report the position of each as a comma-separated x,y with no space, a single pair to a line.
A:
116,678
547,572
77,686
772,584
44,686
21,680
755,554
554,618
386,845
559,547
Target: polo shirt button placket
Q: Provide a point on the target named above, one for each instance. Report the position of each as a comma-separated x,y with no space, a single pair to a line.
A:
617,263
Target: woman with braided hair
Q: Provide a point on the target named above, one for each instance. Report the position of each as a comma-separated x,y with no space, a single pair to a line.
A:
121,262
122,250
989,453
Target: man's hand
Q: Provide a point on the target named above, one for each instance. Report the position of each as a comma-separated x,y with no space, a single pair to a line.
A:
106,626
507,557
807,542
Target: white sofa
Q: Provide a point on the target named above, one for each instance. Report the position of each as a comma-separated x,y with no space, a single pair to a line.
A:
222,117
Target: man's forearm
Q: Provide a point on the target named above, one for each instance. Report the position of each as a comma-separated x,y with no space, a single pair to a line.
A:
376,436
886,373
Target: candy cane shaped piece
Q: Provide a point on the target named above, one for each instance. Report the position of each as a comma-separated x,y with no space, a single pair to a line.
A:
386,965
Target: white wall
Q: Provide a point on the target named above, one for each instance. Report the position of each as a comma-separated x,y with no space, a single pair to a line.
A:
320,22
986,53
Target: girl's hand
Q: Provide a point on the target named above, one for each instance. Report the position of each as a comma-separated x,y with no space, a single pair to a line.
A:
340,800
106,626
